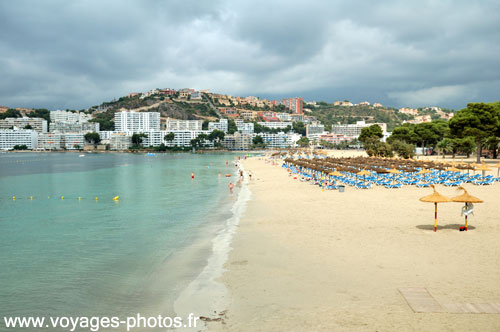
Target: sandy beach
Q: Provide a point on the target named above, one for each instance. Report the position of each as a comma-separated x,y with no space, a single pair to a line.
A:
304,259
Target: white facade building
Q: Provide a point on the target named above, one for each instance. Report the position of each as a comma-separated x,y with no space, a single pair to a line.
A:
50,141
73,141
354,130
69,116
37,124
244,127
119,141
10,138
137,122
72,127
314,130
174,124
183,137
221,125
276,125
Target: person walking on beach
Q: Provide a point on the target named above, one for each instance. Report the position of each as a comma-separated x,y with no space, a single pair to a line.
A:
250,175
230,186
241,175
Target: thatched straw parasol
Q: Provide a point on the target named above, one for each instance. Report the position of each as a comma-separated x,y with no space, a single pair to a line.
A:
424,171
453,169
468,200
483,168
435,198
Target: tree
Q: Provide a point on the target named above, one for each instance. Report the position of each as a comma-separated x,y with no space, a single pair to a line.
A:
492,144
204,125
445,146
28,127
216,135
231,127
93,138
403,149
326,144
10,113
169,137
303,142
299,128
370,133
137,139
20,147
404,133
478,120
258,140
466,145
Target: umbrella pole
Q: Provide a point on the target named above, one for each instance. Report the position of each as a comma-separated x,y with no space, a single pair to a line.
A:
435,216
466,223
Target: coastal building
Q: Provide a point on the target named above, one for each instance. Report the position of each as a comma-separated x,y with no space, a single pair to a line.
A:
244,127
12,137
284,116
276,125
131,121
354,130
73,141
221,125
37,124
174,124
314,130
279,140
69,116
238,141
120,141
71,127
345,103
183,138
335,138
50,141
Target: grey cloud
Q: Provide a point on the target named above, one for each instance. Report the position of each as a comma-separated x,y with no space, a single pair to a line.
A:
74,54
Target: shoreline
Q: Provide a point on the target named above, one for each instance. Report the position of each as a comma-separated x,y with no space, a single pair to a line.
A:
305,259
205,296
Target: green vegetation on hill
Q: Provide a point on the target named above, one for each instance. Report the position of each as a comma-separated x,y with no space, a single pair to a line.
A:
329,115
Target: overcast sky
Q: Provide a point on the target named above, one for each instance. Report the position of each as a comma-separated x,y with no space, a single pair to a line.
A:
75,54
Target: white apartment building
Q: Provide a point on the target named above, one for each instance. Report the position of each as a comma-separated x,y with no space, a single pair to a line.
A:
284,116
105,135
279,140
72,127
11,137
37,124
238,141
69,116
276,125
119,141
354,130
244,127
137,122
73,141
50,141
174,124
221,125
314,130
184,137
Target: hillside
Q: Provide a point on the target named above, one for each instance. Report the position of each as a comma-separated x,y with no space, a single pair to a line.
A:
329,114
168,107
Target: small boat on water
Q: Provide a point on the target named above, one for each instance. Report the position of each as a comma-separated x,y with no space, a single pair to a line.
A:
82,155
149,154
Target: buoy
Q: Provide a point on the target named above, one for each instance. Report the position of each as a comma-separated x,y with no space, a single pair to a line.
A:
96,198
228,175
116,198
13,198
31,197
62,197
79,198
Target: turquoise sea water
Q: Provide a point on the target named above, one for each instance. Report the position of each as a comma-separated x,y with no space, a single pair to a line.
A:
104,258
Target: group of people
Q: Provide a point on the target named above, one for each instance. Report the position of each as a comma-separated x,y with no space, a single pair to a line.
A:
240,171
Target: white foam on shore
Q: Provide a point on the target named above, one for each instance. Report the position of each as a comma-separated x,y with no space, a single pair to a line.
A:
205,296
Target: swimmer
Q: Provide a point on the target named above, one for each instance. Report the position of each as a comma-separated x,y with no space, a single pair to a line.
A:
192,176
230,186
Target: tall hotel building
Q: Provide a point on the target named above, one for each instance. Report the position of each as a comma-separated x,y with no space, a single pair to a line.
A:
131,121
296,105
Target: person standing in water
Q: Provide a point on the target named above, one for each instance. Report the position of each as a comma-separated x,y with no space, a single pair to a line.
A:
230,186
192,176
